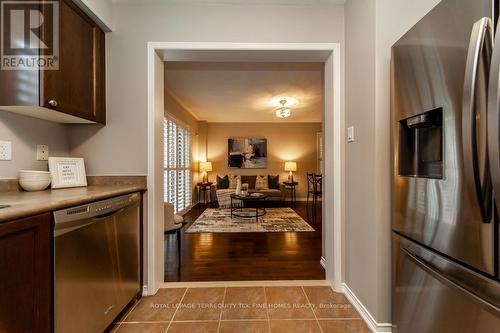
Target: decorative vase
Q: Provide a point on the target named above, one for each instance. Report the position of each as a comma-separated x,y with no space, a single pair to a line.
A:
238,187
244,190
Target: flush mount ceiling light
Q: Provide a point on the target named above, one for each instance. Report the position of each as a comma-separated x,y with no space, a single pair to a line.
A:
283,112
289,101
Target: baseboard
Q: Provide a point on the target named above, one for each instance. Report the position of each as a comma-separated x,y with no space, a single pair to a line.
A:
145,290
323,262
298,200
264,283
302,200
365,314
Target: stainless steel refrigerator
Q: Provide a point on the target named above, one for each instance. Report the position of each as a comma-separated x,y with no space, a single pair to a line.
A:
446,171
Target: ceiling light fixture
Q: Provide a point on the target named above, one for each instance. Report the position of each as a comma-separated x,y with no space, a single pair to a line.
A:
290,101
283,112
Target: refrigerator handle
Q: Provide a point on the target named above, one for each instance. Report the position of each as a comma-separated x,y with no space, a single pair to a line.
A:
480,47
449,282
494,119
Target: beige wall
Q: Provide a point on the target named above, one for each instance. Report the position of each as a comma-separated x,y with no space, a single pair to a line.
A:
360,244
102,9
25,133
285,142
367,234
120,147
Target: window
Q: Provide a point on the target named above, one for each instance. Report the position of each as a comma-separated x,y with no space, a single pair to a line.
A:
177,163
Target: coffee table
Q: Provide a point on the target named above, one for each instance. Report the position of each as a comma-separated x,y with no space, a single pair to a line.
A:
253,198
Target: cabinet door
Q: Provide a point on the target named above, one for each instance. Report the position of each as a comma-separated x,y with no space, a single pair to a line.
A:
77,88
25,275
18,87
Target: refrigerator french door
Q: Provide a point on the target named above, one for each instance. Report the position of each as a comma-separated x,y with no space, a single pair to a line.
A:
435,295
446,165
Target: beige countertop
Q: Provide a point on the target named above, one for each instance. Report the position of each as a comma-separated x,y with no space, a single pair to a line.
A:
23,204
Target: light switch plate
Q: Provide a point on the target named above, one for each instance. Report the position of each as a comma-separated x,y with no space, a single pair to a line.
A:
42,152
5,151
350,134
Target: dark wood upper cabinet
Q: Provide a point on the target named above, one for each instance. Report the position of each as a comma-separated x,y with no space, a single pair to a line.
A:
26,275
77,87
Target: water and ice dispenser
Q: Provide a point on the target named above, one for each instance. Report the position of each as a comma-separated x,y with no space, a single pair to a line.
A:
421,145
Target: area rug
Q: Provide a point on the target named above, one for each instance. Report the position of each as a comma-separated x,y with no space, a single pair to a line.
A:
275,220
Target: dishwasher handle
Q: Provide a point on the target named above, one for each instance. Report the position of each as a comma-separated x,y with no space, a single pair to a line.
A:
107,215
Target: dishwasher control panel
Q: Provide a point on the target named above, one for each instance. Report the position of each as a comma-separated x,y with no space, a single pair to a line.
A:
115,203
95,209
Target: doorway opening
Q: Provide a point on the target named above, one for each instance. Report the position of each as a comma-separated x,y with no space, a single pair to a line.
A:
197,245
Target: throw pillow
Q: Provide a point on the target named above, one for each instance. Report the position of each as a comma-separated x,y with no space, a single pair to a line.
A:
261,183
274,182
250,180
222,183
233,179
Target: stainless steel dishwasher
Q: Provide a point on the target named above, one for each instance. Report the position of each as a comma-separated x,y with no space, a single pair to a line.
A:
96,268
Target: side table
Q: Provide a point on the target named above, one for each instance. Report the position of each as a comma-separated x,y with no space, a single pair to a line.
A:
204,191
293,193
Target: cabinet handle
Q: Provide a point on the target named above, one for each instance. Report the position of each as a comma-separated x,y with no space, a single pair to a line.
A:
53,103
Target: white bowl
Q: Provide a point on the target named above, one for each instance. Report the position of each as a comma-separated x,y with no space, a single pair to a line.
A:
33,173
34,180
27,174
34,185
34,176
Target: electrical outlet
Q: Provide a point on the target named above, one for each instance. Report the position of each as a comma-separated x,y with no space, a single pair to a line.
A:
42,152
350,134
5,151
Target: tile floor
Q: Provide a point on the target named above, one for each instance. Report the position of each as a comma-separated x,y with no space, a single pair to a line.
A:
301,309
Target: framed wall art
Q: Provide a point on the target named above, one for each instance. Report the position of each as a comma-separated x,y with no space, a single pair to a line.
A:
67,172
247,153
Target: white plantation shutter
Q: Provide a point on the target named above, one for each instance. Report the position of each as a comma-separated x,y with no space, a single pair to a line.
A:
177,164
187,169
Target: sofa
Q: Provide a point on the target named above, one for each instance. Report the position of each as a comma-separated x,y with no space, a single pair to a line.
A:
274,191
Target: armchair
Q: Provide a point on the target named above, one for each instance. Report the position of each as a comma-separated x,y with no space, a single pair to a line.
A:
173,224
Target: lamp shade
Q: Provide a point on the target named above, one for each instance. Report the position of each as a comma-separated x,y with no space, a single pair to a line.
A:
290,166
205,166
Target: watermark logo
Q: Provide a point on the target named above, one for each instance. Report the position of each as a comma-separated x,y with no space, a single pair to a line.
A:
29,35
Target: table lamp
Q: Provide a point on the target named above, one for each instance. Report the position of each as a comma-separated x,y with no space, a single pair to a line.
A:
205,167
291,167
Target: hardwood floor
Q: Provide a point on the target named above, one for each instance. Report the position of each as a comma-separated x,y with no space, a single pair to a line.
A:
246,256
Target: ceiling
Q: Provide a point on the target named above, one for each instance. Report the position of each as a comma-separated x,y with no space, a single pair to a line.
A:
267,2
242,91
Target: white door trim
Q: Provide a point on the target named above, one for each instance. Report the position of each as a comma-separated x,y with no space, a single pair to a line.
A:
333,200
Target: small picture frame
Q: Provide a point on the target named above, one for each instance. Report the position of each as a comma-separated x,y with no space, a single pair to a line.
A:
67,172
